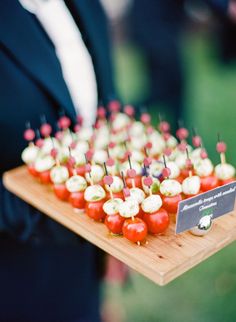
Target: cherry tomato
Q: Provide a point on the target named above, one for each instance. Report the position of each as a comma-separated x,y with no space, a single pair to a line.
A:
101,183
185,173
45,177
114,223
32,170
135,230
180,179
76,199
137,181
183,196
79,170
209,182
157,222
119,194
61,192
70,169
140,213
170,204
222,182
94,210
116,195
190,196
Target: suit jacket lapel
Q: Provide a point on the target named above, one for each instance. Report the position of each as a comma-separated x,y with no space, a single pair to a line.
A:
21,35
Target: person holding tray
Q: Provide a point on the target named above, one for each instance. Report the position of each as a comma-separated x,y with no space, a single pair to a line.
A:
54,55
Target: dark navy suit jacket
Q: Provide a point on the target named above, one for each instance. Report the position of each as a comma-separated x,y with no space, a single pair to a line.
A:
46,272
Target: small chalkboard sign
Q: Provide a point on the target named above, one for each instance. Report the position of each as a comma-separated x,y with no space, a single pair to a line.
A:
211,204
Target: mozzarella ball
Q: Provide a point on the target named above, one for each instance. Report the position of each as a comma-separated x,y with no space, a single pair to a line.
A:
154,187
171,142
137,156
49,144
170,188
180,160
137,129
96,173
137,194
68,138
158,144
100,156
94,193
137,143
173,155
59,174
63,154
156,168
81,147
79,157
76,183
196,154
118,152
85,133
174,169
224,171
203,167
129,208
135,165
120,122
44,163
151,204
30,154
191,185
101,141
120,137
116,186
111,207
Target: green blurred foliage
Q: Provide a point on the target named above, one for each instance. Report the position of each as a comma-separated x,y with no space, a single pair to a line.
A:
207,292
210,104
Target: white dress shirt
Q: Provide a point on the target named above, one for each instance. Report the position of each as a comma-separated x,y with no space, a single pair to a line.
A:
75,60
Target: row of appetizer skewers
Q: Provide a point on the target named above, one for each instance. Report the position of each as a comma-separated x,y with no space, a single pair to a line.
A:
122,171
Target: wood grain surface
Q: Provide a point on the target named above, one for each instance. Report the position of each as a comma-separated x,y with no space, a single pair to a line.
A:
164,258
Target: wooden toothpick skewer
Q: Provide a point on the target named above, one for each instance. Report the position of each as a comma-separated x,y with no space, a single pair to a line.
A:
222,154
149,187
91,179
222,158
150,191
89,172
28,126
56,156
123,178
188,158
113,168
133,183
73,165
164,160
110,191
130,166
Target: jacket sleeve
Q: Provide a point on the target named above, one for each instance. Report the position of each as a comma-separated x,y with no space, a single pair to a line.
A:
23,223
17,218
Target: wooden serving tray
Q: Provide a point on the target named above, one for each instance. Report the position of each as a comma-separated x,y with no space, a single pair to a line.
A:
162,260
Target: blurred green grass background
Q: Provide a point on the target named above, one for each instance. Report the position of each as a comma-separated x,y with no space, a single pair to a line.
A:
210,102
207,293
